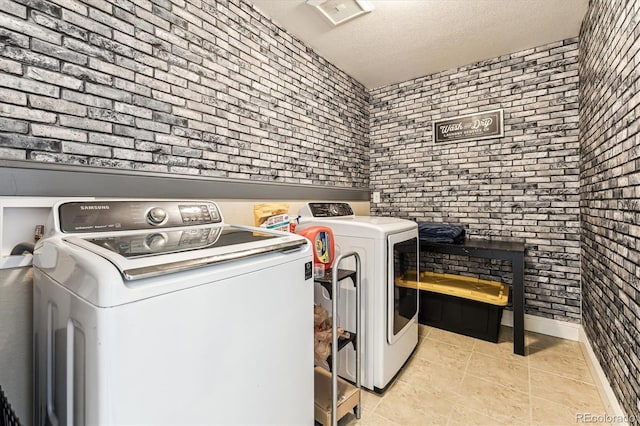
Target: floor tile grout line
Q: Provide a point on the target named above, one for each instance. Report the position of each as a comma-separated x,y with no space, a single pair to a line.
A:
500,357
464,374
569,357
559,403
486,379
553,373
448,343
543,398
376,404
386,418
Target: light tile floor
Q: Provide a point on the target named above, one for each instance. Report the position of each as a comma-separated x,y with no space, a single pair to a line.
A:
458,380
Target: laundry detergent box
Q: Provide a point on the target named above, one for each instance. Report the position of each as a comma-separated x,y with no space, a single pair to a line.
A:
272,216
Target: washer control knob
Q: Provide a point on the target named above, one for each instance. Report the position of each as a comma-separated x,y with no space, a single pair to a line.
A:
155,242
156,216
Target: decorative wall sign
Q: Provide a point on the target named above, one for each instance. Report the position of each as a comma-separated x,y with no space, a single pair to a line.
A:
481,125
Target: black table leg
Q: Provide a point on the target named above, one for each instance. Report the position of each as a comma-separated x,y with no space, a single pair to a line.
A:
518,304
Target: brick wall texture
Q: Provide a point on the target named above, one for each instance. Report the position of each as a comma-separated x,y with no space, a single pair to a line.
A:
523,185
211,87
201,87
610,191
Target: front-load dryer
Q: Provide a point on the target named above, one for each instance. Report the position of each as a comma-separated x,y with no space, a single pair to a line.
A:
388,248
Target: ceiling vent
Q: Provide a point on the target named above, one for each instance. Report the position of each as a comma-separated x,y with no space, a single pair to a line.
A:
340,11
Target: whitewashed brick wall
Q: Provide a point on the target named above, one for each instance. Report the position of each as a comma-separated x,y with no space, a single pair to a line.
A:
523,186
610,192
201,87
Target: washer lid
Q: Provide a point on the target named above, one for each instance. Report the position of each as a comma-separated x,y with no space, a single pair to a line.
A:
147,254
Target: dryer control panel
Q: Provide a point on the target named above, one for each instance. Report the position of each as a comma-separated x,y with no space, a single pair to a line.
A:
115,215
328,210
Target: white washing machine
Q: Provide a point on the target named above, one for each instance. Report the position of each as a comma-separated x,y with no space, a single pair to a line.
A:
156,312
388,248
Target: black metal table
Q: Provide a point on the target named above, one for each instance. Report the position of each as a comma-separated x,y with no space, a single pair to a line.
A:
503,250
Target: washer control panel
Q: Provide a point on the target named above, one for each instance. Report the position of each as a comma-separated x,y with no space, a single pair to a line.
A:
126,215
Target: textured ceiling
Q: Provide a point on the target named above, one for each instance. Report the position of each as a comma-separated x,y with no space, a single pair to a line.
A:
404,39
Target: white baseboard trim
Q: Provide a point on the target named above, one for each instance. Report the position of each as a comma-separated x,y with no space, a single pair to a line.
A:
548,326
612,407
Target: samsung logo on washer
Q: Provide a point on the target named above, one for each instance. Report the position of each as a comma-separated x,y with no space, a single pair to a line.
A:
101,207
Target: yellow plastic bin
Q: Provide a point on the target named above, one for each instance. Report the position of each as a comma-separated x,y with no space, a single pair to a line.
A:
457,303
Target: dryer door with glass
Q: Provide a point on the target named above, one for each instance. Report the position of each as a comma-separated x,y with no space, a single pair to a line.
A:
402,302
